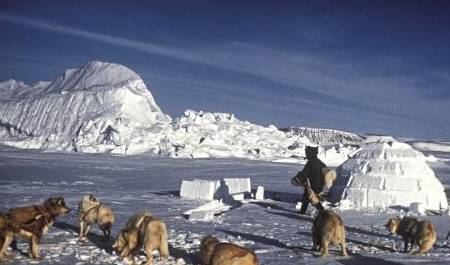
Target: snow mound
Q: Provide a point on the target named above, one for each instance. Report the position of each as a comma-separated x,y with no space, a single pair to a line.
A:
387,173
78,106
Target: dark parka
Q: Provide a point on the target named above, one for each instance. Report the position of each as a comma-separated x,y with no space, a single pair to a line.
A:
312,170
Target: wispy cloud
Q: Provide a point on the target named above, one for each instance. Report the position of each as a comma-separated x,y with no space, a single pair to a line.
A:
138,45
323,81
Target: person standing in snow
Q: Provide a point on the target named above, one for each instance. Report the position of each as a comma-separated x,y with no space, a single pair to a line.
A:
313,172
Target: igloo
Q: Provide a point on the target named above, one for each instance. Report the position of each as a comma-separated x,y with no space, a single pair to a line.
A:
386,173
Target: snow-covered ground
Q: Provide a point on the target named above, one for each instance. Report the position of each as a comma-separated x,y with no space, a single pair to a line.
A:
130,184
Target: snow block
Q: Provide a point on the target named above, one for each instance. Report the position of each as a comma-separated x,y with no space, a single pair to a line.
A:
417,207
228,190
238,185
201,215
238,188
199,189
260,193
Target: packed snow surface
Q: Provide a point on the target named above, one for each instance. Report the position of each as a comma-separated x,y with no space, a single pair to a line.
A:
387,173
107,108
131,184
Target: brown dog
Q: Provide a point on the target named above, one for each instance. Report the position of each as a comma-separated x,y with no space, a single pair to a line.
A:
146,229
91,211
413,231
35,221
213,252
327,228
8,230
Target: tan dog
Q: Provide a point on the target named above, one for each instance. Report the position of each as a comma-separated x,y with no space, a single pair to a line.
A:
90,212
35,221
213,252
413,231
146,229
327,228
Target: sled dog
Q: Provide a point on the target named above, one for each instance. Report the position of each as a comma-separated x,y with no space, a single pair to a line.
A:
33,222
213,252
91,211
8,230
142,229
413,231
327,228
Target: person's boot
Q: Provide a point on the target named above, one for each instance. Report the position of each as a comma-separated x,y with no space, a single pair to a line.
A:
303,208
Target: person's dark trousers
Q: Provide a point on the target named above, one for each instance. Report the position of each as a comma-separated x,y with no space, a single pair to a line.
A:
305,203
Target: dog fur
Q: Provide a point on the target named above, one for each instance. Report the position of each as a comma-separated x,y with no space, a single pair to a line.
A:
33,222
327,228
213,252
413,231
8,230
91,211
329,176
143,229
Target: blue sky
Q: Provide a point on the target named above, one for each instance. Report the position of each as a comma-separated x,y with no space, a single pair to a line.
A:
367,67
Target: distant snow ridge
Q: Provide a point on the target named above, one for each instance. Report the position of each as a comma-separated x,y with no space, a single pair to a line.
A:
388,173
325,136
105,107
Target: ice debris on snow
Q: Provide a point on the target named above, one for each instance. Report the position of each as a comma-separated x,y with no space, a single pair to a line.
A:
385,173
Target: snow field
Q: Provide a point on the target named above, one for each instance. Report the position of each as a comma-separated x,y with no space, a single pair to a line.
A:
131,184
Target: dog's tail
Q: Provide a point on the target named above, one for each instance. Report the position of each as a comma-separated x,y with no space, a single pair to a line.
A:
164,244
156,235
430,231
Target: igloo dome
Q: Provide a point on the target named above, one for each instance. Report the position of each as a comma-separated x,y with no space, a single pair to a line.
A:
387,173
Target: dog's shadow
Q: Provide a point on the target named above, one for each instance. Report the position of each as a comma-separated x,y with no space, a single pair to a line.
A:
351,260
267,241
98,240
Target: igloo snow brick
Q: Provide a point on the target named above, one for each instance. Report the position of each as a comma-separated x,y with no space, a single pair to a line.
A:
199,189
227,189
386,173
238,188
